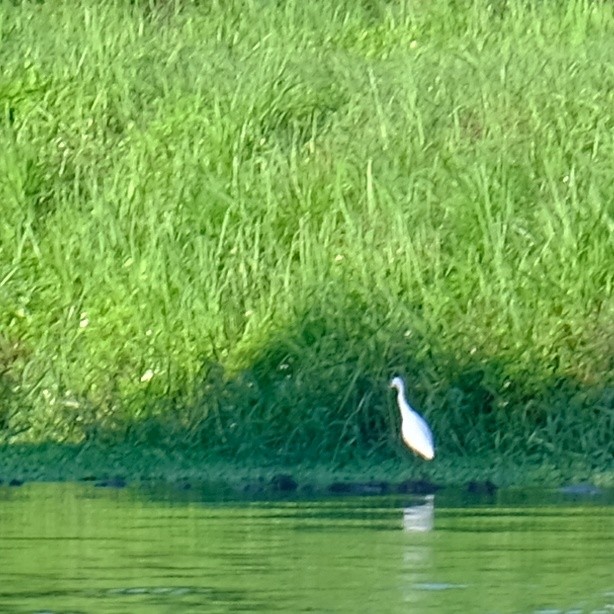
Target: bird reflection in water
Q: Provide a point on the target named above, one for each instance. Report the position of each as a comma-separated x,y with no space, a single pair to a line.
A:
419,518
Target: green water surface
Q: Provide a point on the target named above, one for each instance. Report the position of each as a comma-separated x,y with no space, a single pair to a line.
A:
75,548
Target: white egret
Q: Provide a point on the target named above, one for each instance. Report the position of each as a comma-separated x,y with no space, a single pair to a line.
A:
414,429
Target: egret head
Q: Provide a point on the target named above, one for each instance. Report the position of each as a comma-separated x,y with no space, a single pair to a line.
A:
397,383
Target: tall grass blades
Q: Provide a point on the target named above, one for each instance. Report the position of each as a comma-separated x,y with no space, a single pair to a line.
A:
225,225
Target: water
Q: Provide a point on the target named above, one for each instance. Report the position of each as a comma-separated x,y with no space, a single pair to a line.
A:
76,548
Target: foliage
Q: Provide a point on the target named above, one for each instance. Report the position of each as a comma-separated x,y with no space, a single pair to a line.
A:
227,225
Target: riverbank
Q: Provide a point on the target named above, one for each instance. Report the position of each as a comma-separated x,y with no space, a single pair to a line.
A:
119,466
225,228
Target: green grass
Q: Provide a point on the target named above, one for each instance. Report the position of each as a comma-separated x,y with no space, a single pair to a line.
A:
225,226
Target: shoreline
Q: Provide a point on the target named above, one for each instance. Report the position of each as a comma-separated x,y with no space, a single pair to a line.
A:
120,465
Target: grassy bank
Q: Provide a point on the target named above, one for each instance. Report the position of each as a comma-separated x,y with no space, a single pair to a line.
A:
226,225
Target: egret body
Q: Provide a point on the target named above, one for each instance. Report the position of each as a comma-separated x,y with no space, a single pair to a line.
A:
414,429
